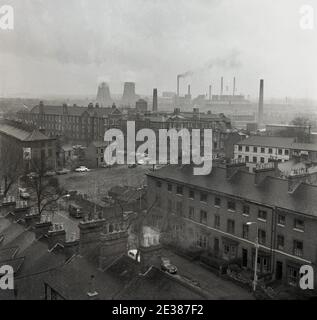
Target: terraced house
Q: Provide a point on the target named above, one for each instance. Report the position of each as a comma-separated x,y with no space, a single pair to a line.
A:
214,212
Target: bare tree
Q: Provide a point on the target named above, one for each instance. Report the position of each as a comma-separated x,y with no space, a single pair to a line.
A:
47,189
11,167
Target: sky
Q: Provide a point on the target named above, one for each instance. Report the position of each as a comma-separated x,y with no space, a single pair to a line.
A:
63,47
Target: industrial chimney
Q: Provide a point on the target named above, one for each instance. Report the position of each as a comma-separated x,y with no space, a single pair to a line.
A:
234,86
155,103
261,104
210,93
221,91
178,80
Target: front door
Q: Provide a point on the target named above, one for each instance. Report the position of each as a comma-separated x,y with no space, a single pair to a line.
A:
279,270
244,258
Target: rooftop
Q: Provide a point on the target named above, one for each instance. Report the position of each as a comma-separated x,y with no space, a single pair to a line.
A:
271,192
277,142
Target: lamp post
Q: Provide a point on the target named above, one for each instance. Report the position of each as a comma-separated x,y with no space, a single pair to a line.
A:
255,279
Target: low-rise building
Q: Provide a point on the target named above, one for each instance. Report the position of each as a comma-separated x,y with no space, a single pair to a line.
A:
263,149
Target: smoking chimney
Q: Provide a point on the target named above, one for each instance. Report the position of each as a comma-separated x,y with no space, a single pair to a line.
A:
221,91
155,104
178,80
234,86
261,104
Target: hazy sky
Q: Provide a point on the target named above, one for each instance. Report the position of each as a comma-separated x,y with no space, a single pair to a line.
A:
67,46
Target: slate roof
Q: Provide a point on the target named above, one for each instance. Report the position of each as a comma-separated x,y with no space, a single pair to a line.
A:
23,135
271,192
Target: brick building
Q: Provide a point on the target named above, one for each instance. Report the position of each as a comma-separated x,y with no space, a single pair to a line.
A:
16,137
211,213
75,124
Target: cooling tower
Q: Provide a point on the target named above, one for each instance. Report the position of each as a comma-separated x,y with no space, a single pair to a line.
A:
103,96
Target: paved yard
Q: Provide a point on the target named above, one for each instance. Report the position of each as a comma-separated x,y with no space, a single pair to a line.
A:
100,181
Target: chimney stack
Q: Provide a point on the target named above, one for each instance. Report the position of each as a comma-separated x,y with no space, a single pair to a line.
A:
189,93
178,90
234,86
210,93
155,103
221,91
261,104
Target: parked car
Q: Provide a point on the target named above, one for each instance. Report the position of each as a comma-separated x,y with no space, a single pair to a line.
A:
75,211
49,174
106,166
166,266
132,166
82,169
133,254
33,175
62,172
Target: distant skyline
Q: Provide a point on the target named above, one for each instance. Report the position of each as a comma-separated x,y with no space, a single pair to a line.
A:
69,47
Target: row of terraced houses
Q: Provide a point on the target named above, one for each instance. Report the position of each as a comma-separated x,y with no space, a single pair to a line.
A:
213,213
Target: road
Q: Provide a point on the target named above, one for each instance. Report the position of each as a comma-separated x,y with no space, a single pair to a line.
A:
218,288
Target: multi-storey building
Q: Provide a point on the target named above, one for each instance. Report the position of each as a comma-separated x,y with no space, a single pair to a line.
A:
263,149
75,124
215,212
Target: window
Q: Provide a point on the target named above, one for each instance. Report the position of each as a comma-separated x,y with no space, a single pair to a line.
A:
281,220
247,159
217,221
262,160
262,237
298,248
230,226
192,194
255,149
203,217
246,210
247,149
286,152
255,159
231,206
158,184
170,205
240,148
262,215
158,201
280,242
293,276
179,190
262,150
245,231
169,187
280,152
217,202
191,214
179,208
202,241
270,150
299,225
203,197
